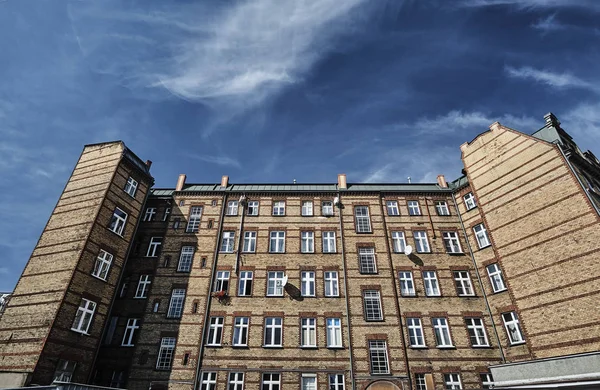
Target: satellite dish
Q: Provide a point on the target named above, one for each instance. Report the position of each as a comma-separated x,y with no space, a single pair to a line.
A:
336,200
408,250
285,280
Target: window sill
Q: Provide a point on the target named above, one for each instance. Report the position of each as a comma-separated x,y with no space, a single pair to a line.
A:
500,291
409,296
80,332
275,253
274,296
248,253
214,346
381,320
433,296
472,208
419,347
424,252
273,346
331,296
486,246
517,343
278,215
329,253
99,278
115,233
445,346
481,346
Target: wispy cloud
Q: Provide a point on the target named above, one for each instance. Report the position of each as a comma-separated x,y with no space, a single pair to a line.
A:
555,80
548,24
524,4
217,160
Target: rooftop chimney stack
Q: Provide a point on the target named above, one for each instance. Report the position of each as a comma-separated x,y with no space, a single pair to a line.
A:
224,181
551,120
180,182
342,185
441,179
148,163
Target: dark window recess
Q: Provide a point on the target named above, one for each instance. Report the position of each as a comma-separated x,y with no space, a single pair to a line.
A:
176,222
214,202
210,223
203,265
186,359
195,307
137,246
166,261
144,357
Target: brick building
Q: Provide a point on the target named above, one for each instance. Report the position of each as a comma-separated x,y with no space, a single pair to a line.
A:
487,279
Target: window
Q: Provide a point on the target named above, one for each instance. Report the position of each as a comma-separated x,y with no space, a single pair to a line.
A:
176,222
275,284
273,331
102,265
227,242
442,332
362,220
392,207
366,258
469,201
194,219
496,278
421,241
124,288
232,207
336,382
432,288
331,284
307,242
143,287
307,208
476,331
442,207
132,326
309,382
167,213
117,379
253,207
181,203
415,332
327,208
513,328
279,207
483,240
398,242
117,222
372,305
131,186
452,381
451,242
307,283
165,353
185,259
156,306
462,280
209,381
329,242
271,382
215,331
334,333
308,332
413,208
150,213
378,356
240,331
83,317
249,242
277,243
420,382
245,284
407,285
486,380
222,281
64,370
236,381
154,246
176,304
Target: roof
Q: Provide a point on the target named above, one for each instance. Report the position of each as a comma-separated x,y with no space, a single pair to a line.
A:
460,182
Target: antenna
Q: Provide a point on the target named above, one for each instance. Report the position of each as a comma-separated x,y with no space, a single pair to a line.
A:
408,250
408,179
294,181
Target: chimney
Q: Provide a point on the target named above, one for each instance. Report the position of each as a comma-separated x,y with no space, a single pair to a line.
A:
442,181
224,181
180,182
148,163
551,120
342,181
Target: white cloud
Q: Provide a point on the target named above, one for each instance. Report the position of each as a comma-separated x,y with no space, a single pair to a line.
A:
217,160
555,80
548,24
583,123
532,3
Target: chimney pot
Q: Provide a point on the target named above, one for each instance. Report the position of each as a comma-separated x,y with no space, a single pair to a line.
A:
180,182
342,181
441,179
224,181
148,163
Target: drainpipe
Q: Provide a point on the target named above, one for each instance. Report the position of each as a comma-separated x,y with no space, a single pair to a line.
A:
242,202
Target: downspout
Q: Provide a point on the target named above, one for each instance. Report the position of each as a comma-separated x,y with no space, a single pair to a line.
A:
578,179
429,215
242,202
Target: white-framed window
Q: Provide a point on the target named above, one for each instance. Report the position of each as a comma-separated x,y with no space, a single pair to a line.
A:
469,201
271,381
64,370
279,207
215,331
117,221
421,241
232,207
240,331
486,380
185,258
451,242
167,213
327,208
227,241
277,242
366,260
245,283
413,208
420,382
253,207
84,315
102,265
309,382
432,288
477,333
496,278
513,328
462,281
194,219
392,207
307,208
155,307
307,242
379,357
176,303
273,331
221,281
130,328
442,332
275,283
307,283
209,381
329,242
452,381
398,242
143,286
235,381
165,353
331,284
372,305
131,186
154,247
362,219
249,242
308,332
334,332
442,207
483,240
415,332
336,382
407,284
150,213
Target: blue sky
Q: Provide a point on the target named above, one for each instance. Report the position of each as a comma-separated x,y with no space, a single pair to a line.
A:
271,90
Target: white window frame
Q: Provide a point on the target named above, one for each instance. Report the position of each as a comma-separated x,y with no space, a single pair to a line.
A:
441,206
307,242
277,241
416,337
307,208
176,303
166,214
208,381
272,325
392,208
235,381
186,258
337,382
496,278
470,202
327,208
253,207
372,305
275,283
487,381
166,353
270,383
131,187
215,331
515,336
420,381
102,265
481,236
477,333
154,247
249,242
64,370
332,284
432,286
84,316
232,208
452,242
245,283
414,208
398,241
308,283
149,214
118,222
367,261
279,208
308,382
129,335
329,244
227,242
222,281
362,219
378,353
308,332
464,286
194,219
241,330
143,287
407,284
334,332
421,241
441,330
452,381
